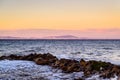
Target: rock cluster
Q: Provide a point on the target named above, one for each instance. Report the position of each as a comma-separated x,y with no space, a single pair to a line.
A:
105,69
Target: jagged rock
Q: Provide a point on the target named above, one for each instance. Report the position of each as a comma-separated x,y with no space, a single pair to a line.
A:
10,57
111,71
2,57
79,79
116,69
83,63
41,61
105,69
107,74
13,57
45,59
68,65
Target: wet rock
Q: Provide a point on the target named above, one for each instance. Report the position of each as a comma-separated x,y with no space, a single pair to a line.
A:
13,57
107,74
2,57
79,79
97,65
105,69
111,71
116,69
83,64
29,57
45,59
41,61
10,57
68,65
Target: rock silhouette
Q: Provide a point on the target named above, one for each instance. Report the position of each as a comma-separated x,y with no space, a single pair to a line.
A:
105,69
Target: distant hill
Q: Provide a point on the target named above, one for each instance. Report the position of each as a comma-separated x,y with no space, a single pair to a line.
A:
64,34
62,37
9,37
49,37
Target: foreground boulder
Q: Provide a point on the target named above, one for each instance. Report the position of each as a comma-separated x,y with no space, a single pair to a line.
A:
45,59
68,65
105,69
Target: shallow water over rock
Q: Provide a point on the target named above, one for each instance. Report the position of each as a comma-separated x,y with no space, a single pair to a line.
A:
27,70
103,50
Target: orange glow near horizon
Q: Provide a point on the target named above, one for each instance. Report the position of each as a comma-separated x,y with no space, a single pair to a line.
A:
71,21
64,15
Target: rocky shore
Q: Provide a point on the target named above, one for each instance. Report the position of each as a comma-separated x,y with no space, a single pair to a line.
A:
104,69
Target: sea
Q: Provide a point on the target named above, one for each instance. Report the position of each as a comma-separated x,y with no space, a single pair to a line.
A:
87,49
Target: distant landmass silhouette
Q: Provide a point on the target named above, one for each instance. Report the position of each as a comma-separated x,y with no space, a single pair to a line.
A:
62,37
49,37
10,37
57,34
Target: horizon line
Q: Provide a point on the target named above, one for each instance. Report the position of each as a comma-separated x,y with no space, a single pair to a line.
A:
62,39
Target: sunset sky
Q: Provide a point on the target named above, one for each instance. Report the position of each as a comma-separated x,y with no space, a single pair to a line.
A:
85,16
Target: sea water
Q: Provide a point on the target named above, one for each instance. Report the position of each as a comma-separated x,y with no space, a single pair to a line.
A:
104,50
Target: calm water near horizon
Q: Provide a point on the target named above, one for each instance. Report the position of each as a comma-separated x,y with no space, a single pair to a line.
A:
104,50
75,49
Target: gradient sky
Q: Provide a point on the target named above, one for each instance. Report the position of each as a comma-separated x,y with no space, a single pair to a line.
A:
60,15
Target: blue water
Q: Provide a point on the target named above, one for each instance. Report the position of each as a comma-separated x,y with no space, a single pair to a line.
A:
76,49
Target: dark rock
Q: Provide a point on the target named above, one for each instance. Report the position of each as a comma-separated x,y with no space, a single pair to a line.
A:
41,61
79,79
2,57
107,74
45,59
13,57
83,64
68,65
105,69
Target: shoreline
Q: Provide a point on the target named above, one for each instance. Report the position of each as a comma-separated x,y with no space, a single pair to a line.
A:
104,69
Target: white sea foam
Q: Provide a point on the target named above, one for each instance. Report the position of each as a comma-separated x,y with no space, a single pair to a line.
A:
29,70
101,50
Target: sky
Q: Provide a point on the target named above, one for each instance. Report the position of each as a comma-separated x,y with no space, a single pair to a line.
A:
81,16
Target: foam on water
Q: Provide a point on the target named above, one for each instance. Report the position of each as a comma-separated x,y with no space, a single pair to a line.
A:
29,70
76,49
104,50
